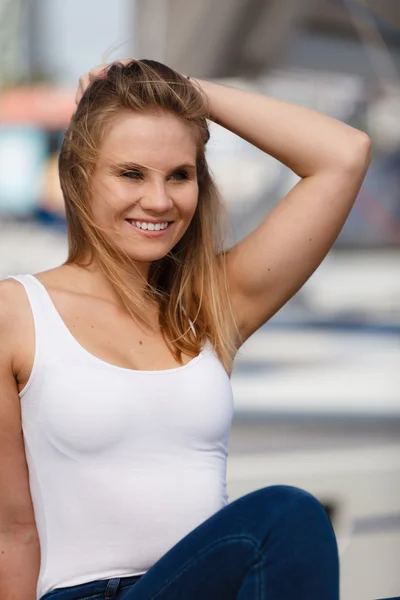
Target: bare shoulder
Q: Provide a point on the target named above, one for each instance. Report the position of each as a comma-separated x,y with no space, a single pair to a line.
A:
15,321
17,331
12,294
11,297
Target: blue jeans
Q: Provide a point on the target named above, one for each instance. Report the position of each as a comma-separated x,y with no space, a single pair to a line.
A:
276,543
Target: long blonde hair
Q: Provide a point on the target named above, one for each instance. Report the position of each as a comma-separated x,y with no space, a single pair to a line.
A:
189,284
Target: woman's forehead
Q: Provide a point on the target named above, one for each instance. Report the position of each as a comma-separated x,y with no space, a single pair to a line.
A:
140,138
148,127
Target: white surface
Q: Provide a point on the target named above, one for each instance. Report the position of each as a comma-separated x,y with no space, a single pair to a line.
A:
322,372
321,390
362,483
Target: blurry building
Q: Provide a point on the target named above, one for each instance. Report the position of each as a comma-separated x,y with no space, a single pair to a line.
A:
248,37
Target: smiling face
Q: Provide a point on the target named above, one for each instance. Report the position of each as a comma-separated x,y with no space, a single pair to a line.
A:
145,189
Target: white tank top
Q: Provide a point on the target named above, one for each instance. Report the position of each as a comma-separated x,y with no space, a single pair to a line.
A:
122,463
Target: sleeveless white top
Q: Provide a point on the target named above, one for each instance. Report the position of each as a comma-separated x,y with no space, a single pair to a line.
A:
122,463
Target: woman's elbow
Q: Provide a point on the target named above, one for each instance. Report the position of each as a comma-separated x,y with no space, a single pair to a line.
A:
358,152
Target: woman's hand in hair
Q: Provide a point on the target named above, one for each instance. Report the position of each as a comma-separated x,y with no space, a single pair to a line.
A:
97,72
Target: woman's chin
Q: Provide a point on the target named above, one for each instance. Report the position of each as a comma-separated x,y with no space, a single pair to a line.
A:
144,256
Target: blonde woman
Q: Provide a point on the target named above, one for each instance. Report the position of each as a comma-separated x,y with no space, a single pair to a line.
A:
115,400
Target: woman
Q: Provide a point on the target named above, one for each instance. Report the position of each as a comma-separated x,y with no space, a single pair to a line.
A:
121,356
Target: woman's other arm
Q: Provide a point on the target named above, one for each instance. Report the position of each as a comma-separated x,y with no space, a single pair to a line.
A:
272,263
19,545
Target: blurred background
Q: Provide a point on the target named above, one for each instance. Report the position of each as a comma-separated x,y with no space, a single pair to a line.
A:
317,390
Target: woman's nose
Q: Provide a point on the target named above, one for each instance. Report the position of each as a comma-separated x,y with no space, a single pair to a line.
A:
157,198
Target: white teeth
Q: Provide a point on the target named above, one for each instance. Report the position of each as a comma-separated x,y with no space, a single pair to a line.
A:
149,226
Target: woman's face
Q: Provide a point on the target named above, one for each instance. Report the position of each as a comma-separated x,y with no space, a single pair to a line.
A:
145,188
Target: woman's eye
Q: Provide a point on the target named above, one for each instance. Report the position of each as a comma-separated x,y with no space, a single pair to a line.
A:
132,174
180,175
177,175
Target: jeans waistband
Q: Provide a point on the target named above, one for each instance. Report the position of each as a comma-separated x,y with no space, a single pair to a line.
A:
77,592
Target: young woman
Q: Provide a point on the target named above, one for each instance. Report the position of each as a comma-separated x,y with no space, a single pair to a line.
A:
121,356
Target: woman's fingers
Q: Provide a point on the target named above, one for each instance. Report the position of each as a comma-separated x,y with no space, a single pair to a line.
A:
82,85
86,80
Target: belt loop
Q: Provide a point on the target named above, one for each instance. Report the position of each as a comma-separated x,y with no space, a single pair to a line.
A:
112,588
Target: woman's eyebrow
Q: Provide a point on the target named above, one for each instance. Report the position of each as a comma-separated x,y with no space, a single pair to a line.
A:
128,166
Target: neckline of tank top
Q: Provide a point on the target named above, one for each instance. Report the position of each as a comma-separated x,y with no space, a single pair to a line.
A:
95,358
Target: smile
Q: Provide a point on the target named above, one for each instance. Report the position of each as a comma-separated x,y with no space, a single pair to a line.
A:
146,225
150,228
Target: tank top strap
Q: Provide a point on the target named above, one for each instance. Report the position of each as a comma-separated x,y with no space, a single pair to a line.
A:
46,320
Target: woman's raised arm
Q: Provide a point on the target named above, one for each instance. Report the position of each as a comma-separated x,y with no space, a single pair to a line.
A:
272,263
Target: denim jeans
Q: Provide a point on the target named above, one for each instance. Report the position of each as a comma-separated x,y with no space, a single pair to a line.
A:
276,543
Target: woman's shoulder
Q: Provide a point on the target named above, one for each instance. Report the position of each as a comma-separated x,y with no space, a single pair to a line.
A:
15,312
11,295
14,317
17,332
